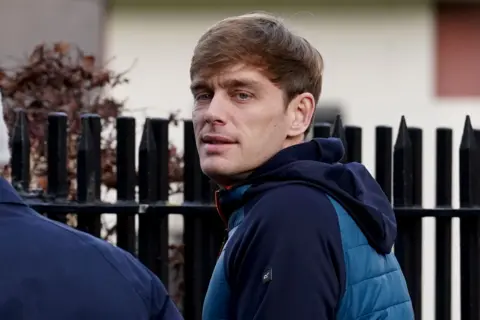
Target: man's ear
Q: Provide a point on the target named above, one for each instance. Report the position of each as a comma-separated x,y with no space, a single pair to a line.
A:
301,110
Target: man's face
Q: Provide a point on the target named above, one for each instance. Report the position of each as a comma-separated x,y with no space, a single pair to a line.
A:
240,121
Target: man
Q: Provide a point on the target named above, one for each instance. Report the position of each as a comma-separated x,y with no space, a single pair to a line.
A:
49,271
309,238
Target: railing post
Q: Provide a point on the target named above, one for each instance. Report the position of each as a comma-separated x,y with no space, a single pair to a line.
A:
415,223
409,239
383,159
88,172
57,185
203,234
20,161
443,234
160,222
126,182
153,187
321,130
353,136
338,131
469,227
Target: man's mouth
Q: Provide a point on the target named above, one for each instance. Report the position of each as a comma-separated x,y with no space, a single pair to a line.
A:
216,139
215,144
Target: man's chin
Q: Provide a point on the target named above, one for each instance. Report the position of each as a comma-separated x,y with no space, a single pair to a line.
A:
217,174
225,176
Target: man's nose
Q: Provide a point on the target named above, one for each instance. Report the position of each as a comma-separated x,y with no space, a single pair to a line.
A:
216,112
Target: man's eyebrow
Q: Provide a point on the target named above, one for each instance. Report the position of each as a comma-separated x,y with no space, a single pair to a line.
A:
198,85
235,83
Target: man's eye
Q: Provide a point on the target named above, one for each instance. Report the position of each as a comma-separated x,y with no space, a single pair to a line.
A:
203,97
243,96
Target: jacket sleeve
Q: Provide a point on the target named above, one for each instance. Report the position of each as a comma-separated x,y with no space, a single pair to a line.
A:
288,263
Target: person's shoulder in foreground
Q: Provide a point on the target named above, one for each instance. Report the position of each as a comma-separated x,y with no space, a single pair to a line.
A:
51,271
308,238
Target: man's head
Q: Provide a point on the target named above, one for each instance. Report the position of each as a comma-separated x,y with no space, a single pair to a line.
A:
255,86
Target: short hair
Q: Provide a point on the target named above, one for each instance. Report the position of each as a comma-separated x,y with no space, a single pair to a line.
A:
262,41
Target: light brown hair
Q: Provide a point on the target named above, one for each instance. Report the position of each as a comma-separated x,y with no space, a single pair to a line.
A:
262,41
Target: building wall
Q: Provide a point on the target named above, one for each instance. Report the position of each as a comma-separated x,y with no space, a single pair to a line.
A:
379,65
27,23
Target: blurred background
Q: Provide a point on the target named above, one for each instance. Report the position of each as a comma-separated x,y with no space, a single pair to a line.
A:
383,59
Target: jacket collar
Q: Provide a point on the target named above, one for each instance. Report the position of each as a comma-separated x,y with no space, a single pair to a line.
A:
230,200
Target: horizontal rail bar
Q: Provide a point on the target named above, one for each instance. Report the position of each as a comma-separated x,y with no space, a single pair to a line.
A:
192,208
123,208
438,212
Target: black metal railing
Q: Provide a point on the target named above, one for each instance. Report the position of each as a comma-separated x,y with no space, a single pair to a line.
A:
398,169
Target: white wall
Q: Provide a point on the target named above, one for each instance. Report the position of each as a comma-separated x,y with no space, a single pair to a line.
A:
379,66
27,23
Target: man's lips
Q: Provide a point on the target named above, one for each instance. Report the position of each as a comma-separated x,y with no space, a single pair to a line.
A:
216,143
217,139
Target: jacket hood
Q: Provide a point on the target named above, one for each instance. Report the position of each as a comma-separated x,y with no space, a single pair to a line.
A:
316,163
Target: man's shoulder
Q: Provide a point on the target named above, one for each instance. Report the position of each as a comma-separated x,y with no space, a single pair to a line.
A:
286,210
84,255
71,262
295,200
